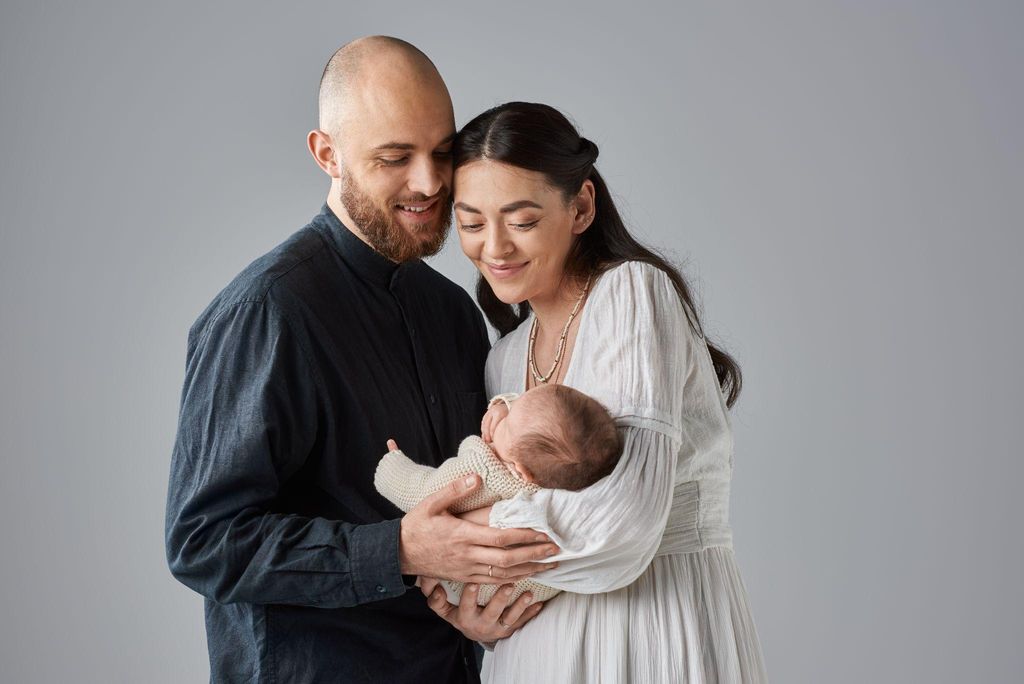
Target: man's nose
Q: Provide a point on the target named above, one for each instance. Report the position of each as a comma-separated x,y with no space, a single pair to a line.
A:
427,176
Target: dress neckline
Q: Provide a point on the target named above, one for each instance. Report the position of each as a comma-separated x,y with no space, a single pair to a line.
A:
524,339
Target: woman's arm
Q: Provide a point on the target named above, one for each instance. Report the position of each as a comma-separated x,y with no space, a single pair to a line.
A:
637,364
608,532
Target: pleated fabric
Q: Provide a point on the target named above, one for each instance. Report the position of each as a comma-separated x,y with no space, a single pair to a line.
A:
656,595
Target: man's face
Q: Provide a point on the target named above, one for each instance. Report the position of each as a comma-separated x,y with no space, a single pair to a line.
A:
396,170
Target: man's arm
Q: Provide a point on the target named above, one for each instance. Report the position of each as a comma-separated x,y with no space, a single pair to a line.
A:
248,421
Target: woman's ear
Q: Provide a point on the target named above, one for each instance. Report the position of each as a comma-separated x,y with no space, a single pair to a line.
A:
585,206
324,154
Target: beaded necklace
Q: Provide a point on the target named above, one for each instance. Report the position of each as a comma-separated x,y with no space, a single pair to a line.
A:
537,377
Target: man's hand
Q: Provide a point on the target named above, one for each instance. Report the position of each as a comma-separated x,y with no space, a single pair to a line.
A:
495,414
497,620
435,543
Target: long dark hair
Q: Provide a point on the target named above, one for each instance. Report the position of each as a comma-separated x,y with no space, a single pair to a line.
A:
539,138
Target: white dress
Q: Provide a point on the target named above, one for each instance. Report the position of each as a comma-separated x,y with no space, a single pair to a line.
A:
646,551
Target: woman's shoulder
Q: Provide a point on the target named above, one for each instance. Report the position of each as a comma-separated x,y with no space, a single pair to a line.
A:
637,349
636,285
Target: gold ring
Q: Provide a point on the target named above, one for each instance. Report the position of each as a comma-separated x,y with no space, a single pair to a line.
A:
504,625
489,569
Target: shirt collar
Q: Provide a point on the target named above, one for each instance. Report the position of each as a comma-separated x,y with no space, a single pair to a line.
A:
363,259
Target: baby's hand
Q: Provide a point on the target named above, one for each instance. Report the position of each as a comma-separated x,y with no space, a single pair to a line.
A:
494,415
392,445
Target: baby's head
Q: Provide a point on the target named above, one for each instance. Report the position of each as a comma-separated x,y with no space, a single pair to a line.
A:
558,438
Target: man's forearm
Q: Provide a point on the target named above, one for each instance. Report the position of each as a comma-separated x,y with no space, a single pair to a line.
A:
286,559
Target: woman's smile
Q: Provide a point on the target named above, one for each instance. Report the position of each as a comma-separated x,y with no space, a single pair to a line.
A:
503,271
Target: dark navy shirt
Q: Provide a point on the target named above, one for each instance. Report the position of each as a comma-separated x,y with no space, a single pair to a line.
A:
296,375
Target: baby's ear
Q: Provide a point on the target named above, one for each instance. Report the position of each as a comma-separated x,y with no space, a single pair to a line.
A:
525,474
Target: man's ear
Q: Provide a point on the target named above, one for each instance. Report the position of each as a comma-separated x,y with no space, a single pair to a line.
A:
324,153
585,205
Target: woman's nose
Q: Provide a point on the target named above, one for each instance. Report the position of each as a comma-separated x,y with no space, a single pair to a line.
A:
496,243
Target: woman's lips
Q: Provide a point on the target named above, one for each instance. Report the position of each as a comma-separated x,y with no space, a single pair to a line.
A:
505,270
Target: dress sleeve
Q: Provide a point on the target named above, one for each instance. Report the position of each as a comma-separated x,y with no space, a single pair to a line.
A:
636,362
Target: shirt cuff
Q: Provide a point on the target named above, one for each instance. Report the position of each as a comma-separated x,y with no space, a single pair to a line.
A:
376,573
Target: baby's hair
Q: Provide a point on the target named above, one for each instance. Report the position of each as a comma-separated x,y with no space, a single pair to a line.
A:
577,445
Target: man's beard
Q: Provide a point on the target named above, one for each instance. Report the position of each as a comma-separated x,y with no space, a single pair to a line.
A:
383,230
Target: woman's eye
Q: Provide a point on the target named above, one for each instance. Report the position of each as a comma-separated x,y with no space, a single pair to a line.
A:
470,227
525,226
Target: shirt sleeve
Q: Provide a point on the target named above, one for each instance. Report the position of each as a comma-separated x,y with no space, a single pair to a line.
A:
610,531
248,421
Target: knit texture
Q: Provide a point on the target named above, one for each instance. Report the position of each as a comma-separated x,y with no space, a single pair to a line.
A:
405,483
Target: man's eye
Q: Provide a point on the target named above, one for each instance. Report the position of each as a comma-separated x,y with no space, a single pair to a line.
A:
392,161
443,154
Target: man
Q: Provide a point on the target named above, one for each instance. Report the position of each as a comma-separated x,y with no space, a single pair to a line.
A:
297,374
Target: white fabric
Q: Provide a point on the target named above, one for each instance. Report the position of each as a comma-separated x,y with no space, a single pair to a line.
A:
647,550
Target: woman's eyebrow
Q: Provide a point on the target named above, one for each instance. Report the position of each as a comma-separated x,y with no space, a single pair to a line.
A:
521,204
508,208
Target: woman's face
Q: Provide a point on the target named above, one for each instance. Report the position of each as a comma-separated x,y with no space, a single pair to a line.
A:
516,228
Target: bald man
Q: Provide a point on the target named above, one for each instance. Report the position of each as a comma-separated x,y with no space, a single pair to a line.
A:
296,375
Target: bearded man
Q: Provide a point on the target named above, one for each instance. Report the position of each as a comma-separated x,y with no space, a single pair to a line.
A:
298,373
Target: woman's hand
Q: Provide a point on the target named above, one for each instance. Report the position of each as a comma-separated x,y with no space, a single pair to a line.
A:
487,624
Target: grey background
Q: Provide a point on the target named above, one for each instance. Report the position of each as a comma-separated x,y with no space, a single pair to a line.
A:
843,181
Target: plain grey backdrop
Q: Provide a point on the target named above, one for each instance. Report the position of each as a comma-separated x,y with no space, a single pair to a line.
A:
843,181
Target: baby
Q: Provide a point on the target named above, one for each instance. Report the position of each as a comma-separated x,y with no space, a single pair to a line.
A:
552,436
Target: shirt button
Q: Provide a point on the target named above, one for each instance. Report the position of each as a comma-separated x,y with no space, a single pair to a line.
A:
433,399
381,589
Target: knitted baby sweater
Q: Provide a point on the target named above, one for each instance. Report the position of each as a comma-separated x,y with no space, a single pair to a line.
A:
405,483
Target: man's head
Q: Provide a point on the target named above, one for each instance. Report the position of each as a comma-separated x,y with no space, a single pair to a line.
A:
385,138
558,437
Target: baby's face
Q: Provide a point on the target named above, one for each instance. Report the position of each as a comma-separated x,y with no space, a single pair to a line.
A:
524,414
507,431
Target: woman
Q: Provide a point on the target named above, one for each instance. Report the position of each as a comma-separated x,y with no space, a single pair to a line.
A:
646,551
